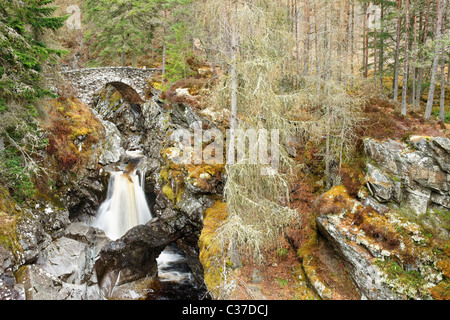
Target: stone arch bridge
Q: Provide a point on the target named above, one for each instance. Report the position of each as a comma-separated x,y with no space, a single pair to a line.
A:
132,83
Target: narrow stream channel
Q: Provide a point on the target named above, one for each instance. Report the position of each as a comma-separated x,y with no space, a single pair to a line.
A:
175,279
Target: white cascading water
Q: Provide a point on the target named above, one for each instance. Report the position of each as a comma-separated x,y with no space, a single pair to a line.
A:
125,205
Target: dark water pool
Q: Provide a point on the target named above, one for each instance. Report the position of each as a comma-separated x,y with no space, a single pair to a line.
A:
175,280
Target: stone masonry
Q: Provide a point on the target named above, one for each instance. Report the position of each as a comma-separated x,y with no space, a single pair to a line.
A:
131,82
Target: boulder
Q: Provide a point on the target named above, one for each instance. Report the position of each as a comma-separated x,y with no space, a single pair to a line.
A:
134,255
42,285
381,187
111,148
441,147
65,267
65,259
83,197
37,226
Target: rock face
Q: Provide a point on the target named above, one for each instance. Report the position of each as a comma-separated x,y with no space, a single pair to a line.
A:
393,238
387,256
365,274
64,268
417,173
183,191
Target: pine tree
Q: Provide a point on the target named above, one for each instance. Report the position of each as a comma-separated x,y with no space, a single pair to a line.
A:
122,27
23,55
178,51
176,39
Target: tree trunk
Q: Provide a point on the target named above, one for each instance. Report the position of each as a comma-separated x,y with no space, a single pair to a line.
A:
164,45
210,49
366,43
234,86
414,57
327,153
381,54
405,65
364,68
316,43
397,52
437,49
347,37
164,55
234,249
375,57
297,44
352,47
124,59
424,39
306,41
442,97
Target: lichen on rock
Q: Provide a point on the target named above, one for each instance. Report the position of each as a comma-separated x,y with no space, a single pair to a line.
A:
389,256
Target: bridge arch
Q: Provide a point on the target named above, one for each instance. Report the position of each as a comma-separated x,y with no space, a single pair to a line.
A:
128,93
132,83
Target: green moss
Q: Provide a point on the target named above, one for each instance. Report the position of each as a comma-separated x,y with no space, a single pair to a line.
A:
168,192
164,174
8,233
114,99
408,282
210,249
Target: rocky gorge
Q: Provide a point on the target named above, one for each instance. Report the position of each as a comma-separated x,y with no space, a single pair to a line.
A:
390,238
55,253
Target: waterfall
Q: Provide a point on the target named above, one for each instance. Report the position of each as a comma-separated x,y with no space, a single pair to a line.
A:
125,205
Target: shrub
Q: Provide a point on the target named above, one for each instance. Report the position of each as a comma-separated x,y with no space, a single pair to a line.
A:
282,253
381,234
352,179
14,175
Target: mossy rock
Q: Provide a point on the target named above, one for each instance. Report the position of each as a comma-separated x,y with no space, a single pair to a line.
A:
9,218
168,192
210,250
